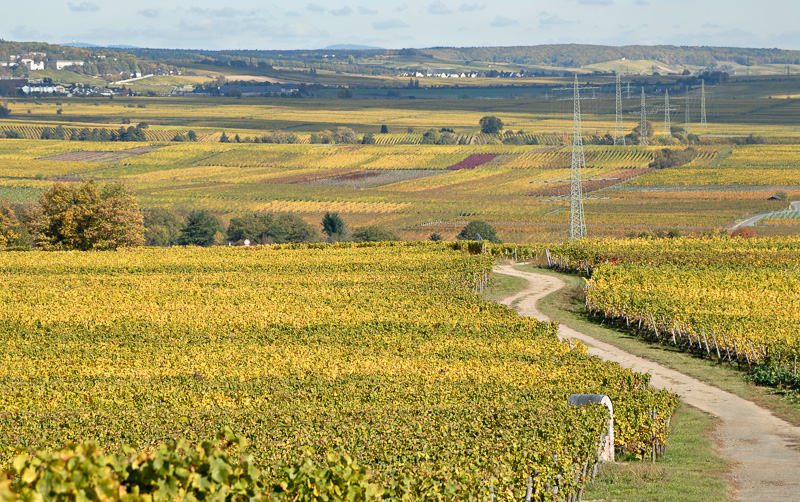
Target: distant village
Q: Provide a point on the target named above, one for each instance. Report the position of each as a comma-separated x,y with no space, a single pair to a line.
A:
16,79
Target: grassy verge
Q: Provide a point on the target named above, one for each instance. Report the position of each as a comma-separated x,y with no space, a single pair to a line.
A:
502,286
566,306
690,471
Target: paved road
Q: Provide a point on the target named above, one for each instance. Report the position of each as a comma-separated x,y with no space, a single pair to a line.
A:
764,447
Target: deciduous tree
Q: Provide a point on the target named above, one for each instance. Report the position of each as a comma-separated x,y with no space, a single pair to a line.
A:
477,231
87,218
200,229
491,125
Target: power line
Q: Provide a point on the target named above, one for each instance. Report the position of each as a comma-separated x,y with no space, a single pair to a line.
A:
577,225
703,122
667,128
688,117
643,125
619,134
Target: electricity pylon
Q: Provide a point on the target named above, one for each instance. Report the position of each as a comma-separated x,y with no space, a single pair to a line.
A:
667,127
688,117
577,226
643,126
619,134
703,122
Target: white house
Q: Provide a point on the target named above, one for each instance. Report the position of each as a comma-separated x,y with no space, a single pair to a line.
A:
60,65
31,64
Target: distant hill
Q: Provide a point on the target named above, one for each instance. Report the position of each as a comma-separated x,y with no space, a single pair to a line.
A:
352,63
81,45
351,47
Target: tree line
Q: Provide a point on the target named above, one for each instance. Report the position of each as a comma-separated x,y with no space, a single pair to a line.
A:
89,216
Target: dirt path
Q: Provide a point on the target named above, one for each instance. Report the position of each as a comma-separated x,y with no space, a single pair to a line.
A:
764,446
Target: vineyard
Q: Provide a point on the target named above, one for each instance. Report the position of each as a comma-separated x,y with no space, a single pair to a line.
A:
35,132
382,352
734,300
521,185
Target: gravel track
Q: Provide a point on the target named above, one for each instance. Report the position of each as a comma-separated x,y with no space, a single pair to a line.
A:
764,447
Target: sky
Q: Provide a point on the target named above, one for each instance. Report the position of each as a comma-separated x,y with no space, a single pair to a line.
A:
316,24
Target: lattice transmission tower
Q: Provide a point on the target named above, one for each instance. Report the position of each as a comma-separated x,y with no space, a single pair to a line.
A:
643,125
667,126
619,133
577,225
688,117
703,122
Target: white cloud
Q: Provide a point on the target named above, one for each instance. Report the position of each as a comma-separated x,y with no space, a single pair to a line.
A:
313,7
83,7
547,19
438,7
344,11
216,13
471,7
150,13
367,12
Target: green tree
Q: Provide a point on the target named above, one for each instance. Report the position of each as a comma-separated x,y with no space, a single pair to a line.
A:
368,139
435,237
491,125
162,227
334,227
374,233
384,129
478,231
87,218
269,228
191,135
345,93
345,135
4,111
431,137
224,138
200,229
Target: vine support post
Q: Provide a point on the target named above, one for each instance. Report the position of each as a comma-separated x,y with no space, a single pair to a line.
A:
755,356
727,350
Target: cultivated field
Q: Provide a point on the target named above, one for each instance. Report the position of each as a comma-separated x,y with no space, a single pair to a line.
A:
732,299
383,352
420,189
